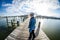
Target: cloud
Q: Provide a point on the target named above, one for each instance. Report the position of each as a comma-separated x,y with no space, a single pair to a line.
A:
40,7
16,8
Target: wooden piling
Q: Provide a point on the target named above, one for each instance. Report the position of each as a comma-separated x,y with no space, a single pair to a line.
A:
7,21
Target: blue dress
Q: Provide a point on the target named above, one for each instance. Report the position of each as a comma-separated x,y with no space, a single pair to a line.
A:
32,24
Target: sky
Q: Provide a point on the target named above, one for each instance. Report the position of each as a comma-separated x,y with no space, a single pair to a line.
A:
22,7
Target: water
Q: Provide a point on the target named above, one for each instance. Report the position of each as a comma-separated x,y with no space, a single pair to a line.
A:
52,28
3,22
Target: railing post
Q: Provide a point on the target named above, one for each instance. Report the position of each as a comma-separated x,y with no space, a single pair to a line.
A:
11,23
7,21
38,29
17,23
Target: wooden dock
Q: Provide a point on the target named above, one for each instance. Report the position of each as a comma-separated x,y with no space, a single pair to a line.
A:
22,33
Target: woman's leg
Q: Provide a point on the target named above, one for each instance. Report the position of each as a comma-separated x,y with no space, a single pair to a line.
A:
30,36
33,35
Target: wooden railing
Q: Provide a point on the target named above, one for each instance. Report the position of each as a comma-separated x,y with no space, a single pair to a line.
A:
14,21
